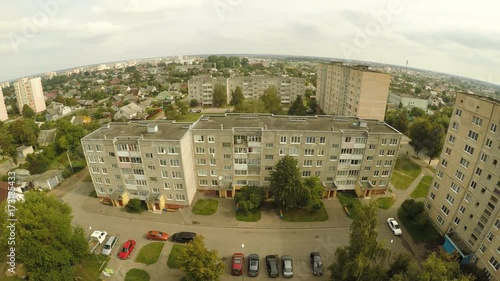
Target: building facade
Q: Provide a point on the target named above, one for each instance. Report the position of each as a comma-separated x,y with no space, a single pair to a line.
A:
164,163
201,87
3,109
30,92
407,101
463,199
352,90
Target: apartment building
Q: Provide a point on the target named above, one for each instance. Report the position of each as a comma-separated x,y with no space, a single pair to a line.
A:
30,92
201,87
407,101
352,90
254,86
219,154
3,109
463,198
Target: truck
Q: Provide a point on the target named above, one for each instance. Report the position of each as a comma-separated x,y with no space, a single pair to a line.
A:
96,239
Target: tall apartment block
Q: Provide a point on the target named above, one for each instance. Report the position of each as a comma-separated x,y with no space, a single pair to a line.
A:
30,92
352,90
164,163
463,198
201,87
3,109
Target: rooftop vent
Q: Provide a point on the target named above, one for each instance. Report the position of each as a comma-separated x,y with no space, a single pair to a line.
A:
152,128
297,119
362,123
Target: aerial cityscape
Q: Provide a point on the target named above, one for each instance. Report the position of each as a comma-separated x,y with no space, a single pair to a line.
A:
233,140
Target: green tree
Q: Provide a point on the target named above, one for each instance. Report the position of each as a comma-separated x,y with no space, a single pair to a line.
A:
417,112
237,97
412,209
297,107
316,190
244,62
134,206
199,263
24,131
418,133
434,142
313,105
442,266
397,119
250,198
251,106
364,256
286,185
400,265
272,100
47,243
219,95
193,103
28,112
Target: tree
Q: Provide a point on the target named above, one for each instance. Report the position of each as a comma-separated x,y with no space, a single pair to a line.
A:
193,103
441,266
46,241
251,106
313,105
199,263
271,100
134,206
400,265
237,97
364,256
418,133
297,107
286,185
250,198
24,131
412,209
417,112
316,190
28,112
219,95
434,142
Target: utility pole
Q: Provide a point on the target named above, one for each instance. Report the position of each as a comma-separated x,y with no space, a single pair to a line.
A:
71,165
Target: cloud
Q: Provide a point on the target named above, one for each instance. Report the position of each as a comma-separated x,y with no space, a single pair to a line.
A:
144,7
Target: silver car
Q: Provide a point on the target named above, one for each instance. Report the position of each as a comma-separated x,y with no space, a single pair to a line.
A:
108,247
287,263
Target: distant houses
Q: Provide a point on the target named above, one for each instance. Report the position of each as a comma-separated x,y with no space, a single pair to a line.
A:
130,111
46,137
56,110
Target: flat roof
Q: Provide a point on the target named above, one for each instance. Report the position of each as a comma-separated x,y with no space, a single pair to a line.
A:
167,130
329,123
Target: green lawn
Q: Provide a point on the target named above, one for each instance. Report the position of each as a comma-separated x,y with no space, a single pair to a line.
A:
351,201
385,202
88,269
405,171
190,117
136,275
173,257
422,187
205,207
252,216
416,231
150,253
301,215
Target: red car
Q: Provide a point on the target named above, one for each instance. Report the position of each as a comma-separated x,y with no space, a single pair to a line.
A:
157,235
127,249
237,264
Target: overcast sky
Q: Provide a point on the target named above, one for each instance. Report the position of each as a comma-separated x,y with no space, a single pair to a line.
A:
461,38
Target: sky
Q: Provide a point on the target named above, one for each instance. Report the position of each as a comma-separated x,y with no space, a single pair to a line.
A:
460,38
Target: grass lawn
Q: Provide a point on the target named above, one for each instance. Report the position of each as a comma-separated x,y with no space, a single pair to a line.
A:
405,171
150,253
205,207
190,117
88,269
136,275
349,200
301,215
422,187
252,216
384,202
173,257
417,232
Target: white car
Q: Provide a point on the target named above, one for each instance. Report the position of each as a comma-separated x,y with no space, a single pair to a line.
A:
394,226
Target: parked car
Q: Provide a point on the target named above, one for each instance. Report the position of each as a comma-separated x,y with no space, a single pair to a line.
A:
237,264
287,263
394,226
183,237
272,265
157,235
316,264
253,265
127,249
108,247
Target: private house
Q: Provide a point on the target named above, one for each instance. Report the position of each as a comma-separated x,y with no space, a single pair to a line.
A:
46,137
56,110
130,111
169,96
47,181
23,151
17,193
81,120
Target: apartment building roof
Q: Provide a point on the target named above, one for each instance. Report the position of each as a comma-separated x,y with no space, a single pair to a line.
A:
484,98
145,130
291,123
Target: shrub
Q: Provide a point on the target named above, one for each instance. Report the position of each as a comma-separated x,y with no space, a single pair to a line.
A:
193,103
134,206
412,208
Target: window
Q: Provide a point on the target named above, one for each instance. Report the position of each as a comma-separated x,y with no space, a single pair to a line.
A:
384,141
440,174
346,151
169,196
444,163
114,166
356,162
153,179
166,185
161,150
347,139
473,135
177,175
178,186
215,182
436,185
112,154
333,158
163,162
306,173
175,162
456,221
226,144
156,190
199,150
307,163
440,220
493,262
459,175
164,174
381,152
483,157
173,150
391,152
202,172
89,148
493,128
295,139
454,126
180,197
489,143
490,236
385,173
310,140
322,140
432,196
282,151
379,163
451,139
151,168
93,159
269,157
360,140
138,171
473,184
445,210
376,173
450,199
95,170
369,158
482,249
497,224
136,160
308,152
393,141
469,149
336,145
211,139
479,171
212,162
321,152
141,182
148,155
371,147
101,159
462,209
98,180
203,182
282,139
464,162
199,138
477,121
467,197
447,151
455,187
458,112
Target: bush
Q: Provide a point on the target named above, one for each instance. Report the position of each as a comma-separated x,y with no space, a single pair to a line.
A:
193,103
412,208
315,204
250,198
135,206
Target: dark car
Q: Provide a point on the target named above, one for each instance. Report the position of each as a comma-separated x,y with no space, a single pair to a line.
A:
272,265
316,264
253,265
237,264
183,237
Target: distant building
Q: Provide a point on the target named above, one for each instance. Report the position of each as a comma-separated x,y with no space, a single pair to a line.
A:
3,109
352,90
129,112
46,137
23,151
202,88
47,180
407,101
56,110
30,92
81,120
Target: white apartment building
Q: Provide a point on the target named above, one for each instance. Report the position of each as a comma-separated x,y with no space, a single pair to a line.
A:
30,92
164,163
3,109
352,90
202,88
463,198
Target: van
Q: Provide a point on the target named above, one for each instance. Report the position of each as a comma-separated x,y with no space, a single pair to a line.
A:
108,247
